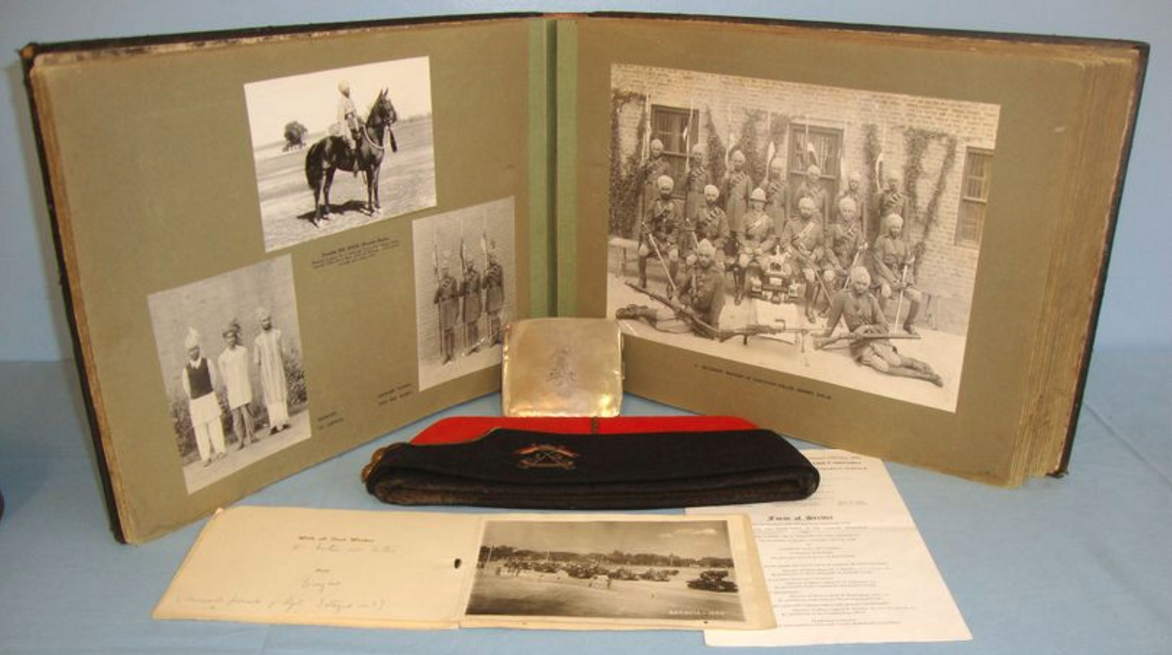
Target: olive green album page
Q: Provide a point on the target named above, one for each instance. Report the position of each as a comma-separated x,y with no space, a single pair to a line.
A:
1004,154
279,245
234,330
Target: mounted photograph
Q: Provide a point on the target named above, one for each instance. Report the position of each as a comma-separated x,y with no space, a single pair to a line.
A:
341,148
825,232
465,289
615,571
229,349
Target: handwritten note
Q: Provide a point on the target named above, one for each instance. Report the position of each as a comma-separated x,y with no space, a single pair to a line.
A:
325,567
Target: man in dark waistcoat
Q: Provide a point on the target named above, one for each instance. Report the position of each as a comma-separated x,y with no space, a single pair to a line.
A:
200,380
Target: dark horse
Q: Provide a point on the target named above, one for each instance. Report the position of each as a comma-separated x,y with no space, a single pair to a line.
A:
331,153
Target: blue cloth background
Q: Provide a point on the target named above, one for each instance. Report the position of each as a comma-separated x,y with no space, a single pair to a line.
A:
1077,565
1073,565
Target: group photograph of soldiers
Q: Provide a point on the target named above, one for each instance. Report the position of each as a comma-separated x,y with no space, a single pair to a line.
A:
229,349
464,289
341,148
827,232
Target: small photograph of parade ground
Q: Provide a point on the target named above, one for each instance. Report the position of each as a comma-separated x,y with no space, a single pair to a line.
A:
607,569
826,232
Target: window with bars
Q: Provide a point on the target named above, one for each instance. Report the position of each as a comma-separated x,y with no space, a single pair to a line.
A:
671,126
974,196
820,146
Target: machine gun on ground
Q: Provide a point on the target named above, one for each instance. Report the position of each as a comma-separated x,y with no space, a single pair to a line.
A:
764,330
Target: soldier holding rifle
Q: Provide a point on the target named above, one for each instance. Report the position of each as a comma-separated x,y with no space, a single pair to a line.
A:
658,234
698,307
867,334
845,244
892,260
802,238
712,224
702,290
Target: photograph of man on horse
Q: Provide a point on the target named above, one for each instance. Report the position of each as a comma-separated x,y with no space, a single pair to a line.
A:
353,145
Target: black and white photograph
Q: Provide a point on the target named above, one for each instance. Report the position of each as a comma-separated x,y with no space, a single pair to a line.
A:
230,353
613,570
342,148
825,232
465,289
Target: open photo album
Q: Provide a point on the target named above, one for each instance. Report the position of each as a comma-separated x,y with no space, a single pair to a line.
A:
280,244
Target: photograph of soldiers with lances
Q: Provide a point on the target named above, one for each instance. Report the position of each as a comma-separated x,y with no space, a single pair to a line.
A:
230,354
825,232
465,289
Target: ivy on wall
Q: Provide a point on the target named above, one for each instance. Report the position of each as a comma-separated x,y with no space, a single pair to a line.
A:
778,129
917,141
625,185
748,144
933,208
716,149
871,150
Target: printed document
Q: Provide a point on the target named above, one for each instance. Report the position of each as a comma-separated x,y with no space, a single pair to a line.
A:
846,565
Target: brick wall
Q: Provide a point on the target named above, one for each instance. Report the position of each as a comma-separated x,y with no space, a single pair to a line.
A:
947,270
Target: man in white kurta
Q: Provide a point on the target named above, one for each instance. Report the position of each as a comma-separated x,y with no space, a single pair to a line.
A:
269,354
234,371
199,383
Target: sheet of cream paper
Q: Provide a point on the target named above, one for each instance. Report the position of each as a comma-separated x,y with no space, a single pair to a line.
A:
846,565
327,567
367,569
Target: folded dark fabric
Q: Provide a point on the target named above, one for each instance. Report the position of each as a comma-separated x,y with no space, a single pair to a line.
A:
537,470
